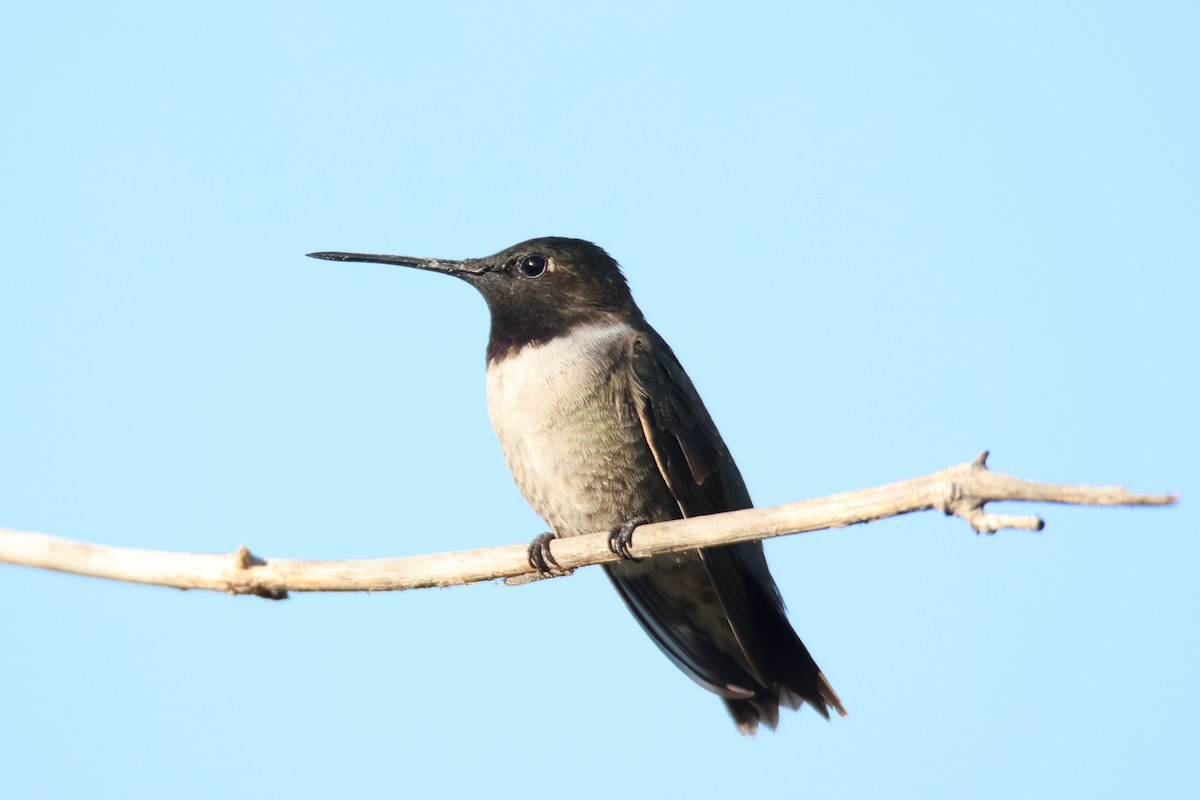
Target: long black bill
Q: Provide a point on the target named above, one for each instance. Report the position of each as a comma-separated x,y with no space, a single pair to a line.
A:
432,264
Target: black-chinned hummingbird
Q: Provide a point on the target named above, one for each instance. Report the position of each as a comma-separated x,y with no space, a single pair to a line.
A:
603,430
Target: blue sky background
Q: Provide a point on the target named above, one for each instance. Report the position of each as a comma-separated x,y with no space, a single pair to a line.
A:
881,237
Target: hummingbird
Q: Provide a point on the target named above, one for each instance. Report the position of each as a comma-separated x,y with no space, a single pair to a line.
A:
604,431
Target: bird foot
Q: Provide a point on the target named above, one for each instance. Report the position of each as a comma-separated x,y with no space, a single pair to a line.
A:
620,537
540,557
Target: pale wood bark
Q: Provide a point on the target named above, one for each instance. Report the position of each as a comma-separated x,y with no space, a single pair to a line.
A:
961,490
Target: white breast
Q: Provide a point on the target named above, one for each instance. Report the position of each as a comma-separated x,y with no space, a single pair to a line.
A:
546,403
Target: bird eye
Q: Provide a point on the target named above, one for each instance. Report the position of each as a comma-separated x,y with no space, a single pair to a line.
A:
532,266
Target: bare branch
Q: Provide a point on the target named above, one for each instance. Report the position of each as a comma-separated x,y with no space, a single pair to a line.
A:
962,491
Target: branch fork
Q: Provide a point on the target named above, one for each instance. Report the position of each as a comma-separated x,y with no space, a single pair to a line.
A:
961,501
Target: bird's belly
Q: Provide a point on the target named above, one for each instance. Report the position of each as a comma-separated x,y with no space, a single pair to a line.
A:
572,438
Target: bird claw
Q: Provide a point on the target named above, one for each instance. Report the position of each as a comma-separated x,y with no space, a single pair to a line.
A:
620,537
540,557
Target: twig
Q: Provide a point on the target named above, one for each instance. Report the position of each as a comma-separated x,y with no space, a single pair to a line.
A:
962,491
